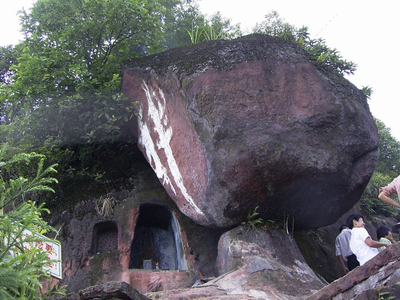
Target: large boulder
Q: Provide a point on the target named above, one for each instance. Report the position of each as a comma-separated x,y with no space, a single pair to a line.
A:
270,253
255,264
267,274
231,125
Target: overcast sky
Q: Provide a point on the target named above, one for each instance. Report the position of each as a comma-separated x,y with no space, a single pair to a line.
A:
363,31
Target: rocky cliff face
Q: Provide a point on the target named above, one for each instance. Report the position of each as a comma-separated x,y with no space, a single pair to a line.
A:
143,240
226,127
99,249
240,264
231,125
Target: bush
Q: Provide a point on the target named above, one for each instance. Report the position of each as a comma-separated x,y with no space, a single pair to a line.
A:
22,265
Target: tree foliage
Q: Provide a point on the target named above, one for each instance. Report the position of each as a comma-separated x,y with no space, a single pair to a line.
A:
14,186
387,168
21,264
74,49
178,20
389,152
80,44
61,95
8,57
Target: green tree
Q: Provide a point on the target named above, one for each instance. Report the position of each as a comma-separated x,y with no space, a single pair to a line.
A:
63,97
274,25
15,185
67,75
8,57
76,47
21,265
367,91
389,151
178,19
387,168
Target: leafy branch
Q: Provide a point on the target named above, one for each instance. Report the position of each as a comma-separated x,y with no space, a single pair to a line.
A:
13,189
22,264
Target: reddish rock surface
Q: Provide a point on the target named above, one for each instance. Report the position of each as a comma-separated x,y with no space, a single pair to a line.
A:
230,125
251,264
97,249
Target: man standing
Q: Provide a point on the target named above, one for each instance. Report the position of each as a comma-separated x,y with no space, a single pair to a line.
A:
343,251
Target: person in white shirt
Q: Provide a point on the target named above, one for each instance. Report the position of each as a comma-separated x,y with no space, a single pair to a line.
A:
361,243
347,259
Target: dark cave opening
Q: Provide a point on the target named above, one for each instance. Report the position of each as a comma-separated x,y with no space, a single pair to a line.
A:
157,242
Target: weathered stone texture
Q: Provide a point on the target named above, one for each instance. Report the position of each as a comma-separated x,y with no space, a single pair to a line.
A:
111,290
255,264
230,125
88,262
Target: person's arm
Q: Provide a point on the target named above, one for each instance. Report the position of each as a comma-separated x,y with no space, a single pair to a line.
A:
388,200
374,244
343,264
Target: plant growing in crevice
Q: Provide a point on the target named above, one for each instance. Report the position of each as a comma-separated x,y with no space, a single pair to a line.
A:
216,28
254,221
105,205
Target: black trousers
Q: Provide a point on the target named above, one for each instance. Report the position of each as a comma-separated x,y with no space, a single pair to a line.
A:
352,262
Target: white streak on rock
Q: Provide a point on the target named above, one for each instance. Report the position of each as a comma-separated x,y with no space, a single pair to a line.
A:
152,156
156,112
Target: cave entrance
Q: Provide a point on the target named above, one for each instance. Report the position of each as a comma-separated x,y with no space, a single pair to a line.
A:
157,241
105,237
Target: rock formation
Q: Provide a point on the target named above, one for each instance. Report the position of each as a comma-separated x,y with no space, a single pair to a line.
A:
111,290
262,276
97,249
252,264
231,125
255,264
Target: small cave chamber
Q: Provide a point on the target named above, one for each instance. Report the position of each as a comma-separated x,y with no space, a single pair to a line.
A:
105,237
157,242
